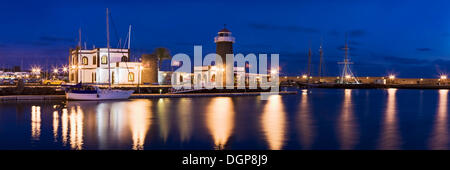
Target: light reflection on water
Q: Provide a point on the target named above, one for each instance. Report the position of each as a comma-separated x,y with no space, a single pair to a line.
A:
35,122
305,122
274,122
347,124
439,139
313,119
219,119
390,138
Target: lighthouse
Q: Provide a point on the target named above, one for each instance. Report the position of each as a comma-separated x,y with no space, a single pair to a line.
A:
224,45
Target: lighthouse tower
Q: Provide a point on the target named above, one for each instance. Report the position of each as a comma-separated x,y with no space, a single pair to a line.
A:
224,45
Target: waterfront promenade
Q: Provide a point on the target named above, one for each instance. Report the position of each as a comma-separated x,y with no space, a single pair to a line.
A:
142,96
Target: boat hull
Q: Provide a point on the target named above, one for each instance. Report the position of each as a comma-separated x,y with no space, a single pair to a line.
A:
101,95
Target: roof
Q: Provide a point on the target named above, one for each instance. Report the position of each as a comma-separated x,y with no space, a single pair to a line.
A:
224,30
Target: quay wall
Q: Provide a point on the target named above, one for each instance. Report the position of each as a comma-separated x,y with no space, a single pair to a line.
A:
366,80
142,96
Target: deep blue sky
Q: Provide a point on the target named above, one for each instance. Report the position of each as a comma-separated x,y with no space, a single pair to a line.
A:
408,38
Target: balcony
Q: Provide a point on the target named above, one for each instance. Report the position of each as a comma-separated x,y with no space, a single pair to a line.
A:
223,39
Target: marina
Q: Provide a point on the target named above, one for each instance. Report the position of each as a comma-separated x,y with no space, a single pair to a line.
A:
353,119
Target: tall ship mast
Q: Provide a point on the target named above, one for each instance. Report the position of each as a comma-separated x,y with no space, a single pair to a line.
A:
320,61
347,76
109,57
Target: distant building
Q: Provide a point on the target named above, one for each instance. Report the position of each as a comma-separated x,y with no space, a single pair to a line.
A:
91,66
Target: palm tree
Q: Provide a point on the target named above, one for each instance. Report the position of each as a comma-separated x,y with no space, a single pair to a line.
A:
162,54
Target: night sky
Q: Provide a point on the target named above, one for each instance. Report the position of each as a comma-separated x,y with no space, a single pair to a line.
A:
406,38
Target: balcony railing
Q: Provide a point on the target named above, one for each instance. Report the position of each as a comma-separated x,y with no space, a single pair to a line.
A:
220,38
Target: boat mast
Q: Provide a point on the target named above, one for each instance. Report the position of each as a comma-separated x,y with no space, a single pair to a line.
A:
320,60
309,64
107,37
79,57
129,37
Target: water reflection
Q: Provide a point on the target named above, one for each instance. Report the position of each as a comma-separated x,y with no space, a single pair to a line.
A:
348,134
219,120
274,122
439,138
117,122
76,128
389,134
163,118
184,114
55,125
35,122
139,121
64,125
305,122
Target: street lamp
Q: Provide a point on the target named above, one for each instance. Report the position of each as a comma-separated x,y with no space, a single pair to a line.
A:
274,71
392,77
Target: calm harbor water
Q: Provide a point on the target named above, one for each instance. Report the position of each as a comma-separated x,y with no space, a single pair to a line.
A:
315,119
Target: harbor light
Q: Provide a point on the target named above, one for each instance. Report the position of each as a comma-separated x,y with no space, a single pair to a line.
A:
304,76
391,77
443,77
274,71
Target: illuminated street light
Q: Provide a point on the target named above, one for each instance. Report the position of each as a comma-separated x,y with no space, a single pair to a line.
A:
274,71
348,76
304,76
443,77
55,70
65,69
391,77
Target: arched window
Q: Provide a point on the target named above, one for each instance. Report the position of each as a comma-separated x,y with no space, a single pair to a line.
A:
104,59
94,60
213,78
124,59
130,77
84,60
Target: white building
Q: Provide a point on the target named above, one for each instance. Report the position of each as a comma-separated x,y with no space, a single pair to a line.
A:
91,66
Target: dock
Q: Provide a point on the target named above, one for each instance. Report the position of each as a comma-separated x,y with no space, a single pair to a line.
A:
144,96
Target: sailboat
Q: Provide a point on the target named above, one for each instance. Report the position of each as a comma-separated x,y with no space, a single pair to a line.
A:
88,92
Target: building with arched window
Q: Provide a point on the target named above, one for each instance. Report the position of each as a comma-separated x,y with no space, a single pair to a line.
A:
85,60
124,59
93,69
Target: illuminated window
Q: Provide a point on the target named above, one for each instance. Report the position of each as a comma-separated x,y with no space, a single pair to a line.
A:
213,78
104,59
94,60
84,60
124,59
130,77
